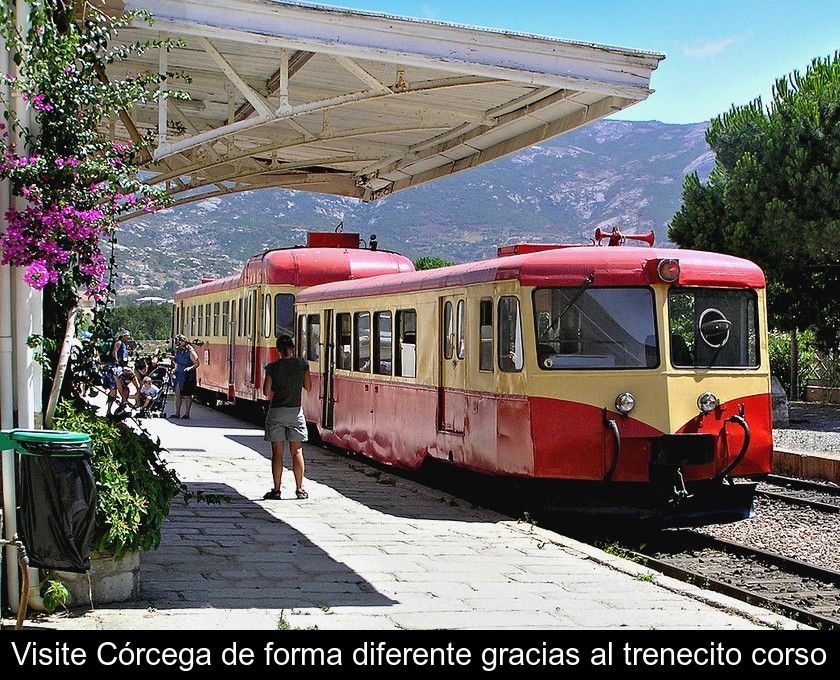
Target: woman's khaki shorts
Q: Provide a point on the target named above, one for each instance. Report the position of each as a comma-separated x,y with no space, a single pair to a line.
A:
284,424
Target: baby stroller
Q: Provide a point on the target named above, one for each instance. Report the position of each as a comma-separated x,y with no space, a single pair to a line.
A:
161,376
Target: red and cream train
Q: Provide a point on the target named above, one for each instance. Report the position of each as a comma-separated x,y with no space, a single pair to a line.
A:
623,377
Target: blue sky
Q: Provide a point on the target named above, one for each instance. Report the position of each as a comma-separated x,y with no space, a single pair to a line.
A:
718,52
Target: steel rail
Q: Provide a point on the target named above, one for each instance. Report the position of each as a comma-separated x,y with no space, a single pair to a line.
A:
803,484
695,540
796,500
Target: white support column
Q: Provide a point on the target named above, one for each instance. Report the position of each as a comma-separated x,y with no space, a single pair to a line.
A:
28,319
23,297
7,389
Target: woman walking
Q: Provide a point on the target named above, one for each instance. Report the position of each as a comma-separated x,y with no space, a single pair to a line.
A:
284,380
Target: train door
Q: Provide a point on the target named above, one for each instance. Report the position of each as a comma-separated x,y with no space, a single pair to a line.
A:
328,359
232,329
251,338
452,375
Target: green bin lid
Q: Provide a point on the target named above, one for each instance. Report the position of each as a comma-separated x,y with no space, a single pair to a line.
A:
48,437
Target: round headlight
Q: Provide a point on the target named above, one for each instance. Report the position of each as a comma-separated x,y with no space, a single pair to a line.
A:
669,270
624,403
707,402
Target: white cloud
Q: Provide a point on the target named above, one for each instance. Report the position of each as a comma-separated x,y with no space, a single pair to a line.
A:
700,49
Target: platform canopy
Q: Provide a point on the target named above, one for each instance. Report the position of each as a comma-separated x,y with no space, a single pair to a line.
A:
355,104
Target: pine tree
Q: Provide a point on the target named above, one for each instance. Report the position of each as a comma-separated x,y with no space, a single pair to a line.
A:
774,194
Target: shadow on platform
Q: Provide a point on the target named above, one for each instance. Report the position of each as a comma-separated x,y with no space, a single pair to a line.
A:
377,486
238,556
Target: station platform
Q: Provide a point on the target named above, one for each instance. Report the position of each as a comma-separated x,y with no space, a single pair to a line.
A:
369,550
810,446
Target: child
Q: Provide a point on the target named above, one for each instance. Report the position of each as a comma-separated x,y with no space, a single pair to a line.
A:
148,393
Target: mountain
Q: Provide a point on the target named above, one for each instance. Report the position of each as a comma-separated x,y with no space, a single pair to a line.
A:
608,173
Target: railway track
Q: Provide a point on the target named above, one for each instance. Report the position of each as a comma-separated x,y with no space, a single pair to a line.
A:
803,492
800,590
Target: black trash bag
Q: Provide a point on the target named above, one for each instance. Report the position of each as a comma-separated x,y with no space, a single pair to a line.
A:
57,505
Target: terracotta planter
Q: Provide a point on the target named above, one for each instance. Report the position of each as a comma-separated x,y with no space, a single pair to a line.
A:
111,580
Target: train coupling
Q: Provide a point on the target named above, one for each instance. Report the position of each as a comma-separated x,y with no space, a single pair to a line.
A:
670,453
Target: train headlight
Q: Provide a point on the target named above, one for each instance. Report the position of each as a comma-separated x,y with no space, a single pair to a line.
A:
624,403
668,270
707,402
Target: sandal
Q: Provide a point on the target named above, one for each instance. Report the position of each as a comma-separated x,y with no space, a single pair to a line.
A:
301,494
273,495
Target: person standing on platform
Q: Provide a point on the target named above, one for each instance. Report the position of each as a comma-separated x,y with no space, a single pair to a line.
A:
117,361
186,383
283,384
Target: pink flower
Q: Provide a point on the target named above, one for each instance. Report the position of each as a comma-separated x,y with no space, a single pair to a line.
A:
37,276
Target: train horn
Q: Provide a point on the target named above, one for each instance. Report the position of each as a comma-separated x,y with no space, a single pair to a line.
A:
617,238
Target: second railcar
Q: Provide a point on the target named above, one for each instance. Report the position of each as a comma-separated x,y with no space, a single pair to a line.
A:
236,320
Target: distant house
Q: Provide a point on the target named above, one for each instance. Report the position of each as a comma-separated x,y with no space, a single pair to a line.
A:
151,300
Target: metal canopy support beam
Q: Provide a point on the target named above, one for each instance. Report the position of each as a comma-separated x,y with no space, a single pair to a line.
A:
256,100
283,82
297,61
288,144
312,107
501,115
163,114
583,115
361,74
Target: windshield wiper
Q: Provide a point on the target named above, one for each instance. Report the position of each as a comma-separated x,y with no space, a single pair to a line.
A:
580,291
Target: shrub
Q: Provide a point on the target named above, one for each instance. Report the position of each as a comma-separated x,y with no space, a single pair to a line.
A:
135,486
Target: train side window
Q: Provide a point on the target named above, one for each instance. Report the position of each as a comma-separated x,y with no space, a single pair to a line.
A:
382,346
207,319
246,329
510,335
361,342
216,319
284,315
225,318
459,330
313,337
200,320
485,335
406,357
245,301
266,316
192,321
343,339
233,318
302,336
448,335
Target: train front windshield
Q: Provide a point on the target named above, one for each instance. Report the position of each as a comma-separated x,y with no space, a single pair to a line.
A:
595,328
713,328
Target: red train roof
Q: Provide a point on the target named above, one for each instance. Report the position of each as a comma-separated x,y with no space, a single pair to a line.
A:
616,266
303,267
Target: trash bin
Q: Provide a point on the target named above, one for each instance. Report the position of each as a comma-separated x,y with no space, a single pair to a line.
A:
56,497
